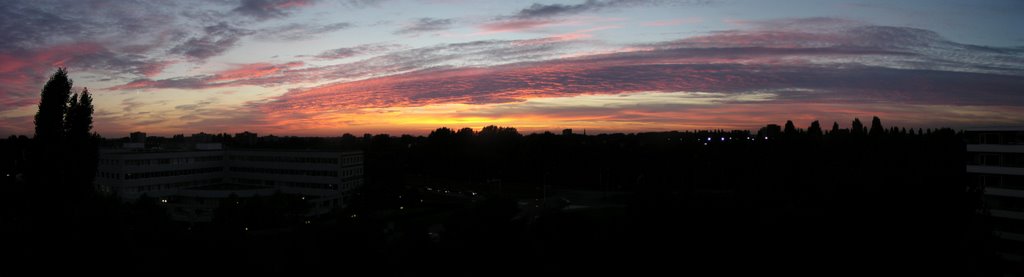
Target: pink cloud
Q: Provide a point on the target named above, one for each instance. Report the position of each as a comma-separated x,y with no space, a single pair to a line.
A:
583,34
253,70
292,4
137,84
155,68
856,70
22,74
536,24
239,75
738,70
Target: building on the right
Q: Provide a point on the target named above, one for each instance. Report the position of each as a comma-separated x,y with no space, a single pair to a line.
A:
995,162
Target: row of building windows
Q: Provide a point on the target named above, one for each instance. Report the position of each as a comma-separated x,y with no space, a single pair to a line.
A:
330,203
344,186
1004,137
352,160
278,171
308,185
108,162
247,181
169,173
280,159
144,175
190,209
1008,224
350,172
997,159
352,184
175,185
1001,181
165,161
108,175
994,202
185,160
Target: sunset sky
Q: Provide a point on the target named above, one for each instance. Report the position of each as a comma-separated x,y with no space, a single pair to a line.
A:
306,67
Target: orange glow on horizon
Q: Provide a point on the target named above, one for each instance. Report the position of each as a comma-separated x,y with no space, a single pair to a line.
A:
593,113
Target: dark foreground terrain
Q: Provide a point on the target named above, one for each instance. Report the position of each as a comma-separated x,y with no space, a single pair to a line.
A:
494,202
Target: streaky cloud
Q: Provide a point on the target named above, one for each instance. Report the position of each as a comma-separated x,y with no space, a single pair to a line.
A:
299,31
267,9
359,50
537,10
426,24
215,40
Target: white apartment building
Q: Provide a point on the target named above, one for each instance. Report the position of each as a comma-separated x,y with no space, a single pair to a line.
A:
191,183
996,164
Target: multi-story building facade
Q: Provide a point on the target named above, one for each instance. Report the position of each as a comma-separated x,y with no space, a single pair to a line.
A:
996,165
193,182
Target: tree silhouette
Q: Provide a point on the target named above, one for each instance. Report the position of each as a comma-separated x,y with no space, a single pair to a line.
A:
441,133
815,129
790,129
465,133
876,127
78,121
83,152
53,105
47,173
835,127
857,127
495,131
72,109
64,151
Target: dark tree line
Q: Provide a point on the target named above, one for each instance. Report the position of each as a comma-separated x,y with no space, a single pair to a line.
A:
52,200
64,152
862,198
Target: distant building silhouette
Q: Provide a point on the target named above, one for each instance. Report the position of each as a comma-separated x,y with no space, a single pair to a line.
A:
769,131
201,137
246,138
567,132
192,182
138,137
996,166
